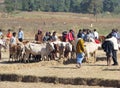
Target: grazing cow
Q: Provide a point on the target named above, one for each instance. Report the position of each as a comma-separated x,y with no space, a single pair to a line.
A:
42,49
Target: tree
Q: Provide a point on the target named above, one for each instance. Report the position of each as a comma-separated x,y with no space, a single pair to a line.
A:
67,6
91,6
108,6
84,5
61,5
9,5
75,6
79,6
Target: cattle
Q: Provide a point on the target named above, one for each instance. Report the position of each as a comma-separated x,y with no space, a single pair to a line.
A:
90,50
101,38
42,49
16,52
64,48
53,54
2,44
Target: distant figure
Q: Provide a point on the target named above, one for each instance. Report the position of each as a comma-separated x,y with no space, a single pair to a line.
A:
96,35
64,36
71,35
1,33
39,36
20,35
54,36
47,37
80,34
13,42
9,34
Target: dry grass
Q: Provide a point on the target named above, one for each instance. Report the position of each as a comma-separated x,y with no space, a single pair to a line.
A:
49,21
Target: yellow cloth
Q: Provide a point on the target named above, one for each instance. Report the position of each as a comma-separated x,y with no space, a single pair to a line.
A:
80,46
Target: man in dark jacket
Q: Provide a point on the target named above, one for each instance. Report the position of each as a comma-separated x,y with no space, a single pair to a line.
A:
111,49
108,48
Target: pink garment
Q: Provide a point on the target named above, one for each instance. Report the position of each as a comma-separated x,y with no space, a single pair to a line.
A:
70,36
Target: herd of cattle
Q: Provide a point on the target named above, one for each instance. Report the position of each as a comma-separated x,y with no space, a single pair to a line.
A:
27,51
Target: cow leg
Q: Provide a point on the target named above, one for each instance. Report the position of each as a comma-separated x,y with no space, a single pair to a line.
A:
26,57
94,54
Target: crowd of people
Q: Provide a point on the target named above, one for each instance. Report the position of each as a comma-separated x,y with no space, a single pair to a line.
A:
83,35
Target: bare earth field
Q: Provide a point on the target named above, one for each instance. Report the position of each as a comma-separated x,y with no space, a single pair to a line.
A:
42,85
99,70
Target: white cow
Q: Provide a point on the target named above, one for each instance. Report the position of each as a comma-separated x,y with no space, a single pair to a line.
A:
2,44
42,49
90,49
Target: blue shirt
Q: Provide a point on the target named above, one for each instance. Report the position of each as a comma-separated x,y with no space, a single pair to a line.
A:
1,33
20,35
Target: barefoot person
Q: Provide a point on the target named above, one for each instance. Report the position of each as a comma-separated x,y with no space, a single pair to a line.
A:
80,52
111,51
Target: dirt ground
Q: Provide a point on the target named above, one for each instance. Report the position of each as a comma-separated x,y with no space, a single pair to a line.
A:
42,85
56,69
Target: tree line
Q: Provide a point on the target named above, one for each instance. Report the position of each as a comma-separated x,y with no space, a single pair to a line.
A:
77,6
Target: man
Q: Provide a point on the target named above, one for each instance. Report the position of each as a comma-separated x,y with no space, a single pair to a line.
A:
80,52
39,36
1,33
9,34
20,35
112,39
13,42
96,35
108,48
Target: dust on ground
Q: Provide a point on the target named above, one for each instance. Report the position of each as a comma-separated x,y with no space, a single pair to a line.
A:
42,85
56,69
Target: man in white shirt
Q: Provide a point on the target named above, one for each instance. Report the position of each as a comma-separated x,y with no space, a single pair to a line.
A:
113,39
96,35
